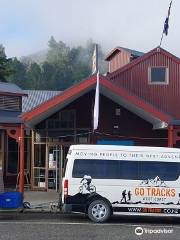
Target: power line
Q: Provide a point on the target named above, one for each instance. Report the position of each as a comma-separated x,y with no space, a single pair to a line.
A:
104,134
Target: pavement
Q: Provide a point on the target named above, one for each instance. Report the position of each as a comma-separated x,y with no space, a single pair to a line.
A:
41,201
38,201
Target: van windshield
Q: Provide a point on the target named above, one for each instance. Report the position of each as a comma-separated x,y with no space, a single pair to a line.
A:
124,169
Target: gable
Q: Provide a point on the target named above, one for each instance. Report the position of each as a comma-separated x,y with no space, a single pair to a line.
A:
59,101
117,94
120,57
134,78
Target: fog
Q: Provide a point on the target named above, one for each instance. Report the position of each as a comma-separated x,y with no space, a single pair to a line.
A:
27,25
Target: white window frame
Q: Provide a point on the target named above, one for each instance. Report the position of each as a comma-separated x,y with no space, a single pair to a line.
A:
166,82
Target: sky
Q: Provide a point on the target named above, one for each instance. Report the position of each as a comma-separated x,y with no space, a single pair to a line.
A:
27,25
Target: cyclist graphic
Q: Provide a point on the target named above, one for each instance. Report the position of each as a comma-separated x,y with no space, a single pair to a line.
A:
86,185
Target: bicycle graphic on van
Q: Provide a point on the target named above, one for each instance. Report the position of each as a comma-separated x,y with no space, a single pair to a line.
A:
86,185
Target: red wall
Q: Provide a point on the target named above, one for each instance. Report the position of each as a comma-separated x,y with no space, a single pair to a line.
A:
119,60
135,79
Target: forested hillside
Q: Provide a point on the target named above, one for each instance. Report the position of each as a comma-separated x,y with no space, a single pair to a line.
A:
59,68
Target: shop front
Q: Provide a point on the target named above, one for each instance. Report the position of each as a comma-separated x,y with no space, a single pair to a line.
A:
50,141
47,166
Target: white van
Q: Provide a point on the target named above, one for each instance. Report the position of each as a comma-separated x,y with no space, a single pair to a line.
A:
101,180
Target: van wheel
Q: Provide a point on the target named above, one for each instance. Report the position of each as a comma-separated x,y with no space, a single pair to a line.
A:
99,211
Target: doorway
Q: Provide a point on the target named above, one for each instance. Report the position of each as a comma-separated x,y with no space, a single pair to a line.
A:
54,166
48,166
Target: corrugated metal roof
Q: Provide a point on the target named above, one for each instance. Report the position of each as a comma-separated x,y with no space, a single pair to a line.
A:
10,88
10,117
35,98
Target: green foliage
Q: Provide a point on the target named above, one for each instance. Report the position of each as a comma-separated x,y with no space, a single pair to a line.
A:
58,52
5,69
34,73
19,75
63,67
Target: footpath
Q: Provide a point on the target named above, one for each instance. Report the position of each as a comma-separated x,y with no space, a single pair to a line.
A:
41,201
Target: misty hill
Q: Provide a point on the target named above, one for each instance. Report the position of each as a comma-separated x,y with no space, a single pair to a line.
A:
83,54
37,57
56,68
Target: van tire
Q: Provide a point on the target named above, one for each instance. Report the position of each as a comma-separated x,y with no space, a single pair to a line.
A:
99,211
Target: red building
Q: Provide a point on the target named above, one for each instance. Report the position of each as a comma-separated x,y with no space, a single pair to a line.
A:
153,77
138,106
11,134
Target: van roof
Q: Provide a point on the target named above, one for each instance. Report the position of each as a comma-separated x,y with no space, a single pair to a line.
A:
125,148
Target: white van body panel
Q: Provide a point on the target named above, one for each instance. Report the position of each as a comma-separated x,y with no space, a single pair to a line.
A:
128,196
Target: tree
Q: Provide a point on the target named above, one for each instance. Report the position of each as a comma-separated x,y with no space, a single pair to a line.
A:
63,67
35,77
19,75
79,66
70,64
5,71
58,56
47,72
57,52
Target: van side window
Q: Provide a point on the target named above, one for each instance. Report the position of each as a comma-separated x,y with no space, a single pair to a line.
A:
128,170
105,169
95,168
166,171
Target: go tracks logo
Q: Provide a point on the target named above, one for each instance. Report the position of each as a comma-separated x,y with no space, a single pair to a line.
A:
140,231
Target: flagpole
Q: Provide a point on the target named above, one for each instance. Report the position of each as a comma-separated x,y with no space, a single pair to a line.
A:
95,114
166,24
96,105
161,38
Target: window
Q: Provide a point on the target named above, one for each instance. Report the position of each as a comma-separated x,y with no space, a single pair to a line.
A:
10,103
166,171
99,169
1,148
158,75
65,119
117,111
129,170
106,169
12,164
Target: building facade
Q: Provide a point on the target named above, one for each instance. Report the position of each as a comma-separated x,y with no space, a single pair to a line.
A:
11,133
138,106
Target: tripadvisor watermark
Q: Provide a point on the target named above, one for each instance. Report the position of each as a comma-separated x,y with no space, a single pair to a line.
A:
144,230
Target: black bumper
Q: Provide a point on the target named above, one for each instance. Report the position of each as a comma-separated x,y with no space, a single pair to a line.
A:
70,208
67,208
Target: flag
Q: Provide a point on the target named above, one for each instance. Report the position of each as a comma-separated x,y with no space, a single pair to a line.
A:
96,105
95,60
166,23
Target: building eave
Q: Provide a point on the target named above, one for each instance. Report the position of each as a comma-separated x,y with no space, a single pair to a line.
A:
118,94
